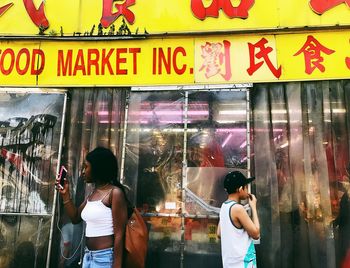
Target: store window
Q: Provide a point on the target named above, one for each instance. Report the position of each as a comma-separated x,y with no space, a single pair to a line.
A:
179,145
30,134
174,146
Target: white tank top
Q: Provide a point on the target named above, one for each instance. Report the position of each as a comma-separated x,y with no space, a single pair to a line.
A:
237,248
98,218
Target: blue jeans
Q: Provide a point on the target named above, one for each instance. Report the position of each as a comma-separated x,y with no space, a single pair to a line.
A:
98,258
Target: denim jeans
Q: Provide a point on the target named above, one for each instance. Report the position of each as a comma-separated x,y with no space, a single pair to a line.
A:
98,258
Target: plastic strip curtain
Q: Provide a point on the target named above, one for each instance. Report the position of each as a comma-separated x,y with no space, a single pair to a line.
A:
301,156
94,119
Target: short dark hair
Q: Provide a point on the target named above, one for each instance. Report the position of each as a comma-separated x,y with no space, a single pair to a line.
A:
104,165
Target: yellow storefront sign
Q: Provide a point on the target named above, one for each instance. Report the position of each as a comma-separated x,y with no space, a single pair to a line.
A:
78,18
314,56
118,63
227,60
182,61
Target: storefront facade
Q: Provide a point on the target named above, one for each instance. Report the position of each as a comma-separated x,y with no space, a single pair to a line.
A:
182,92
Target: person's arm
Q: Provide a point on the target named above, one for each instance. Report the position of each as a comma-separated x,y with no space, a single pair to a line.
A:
251,225
343,216
120,217
218,231
72,212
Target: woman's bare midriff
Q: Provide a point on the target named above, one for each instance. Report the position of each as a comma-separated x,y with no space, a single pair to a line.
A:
101,242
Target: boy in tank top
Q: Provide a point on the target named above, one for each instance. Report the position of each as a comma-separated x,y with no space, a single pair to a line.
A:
236,229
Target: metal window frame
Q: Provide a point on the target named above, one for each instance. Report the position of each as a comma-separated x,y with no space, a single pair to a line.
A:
187,89
60,145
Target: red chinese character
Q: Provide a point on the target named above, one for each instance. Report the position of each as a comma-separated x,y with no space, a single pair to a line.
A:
201,12
312,54
108,17
347,62
36,15
262,54
321,6
214,58
5,8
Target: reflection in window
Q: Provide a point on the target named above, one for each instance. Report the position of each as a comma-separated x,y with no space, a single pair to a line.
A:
215,145
154,150
159,123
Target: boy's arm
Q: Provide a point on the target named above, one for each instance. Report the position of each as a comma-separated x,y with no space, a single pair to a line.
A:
218,231
252,226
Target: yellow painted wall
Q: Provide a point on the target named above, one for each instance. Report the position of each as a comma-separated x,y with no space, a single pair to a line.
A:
159,16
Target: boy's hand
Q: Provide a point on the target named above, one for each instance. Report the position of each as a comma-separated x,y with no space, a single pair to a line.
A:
252,201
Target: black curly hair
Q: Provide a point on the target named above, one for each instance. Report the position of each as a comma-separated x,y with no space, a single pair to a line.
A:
104,166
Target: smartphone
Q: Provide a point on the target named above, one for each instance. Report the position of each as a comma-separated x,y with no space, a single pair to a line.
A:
62,176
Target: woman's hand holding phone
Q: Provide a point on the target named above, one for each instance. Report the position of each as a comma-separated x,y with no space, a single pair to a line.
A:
61,181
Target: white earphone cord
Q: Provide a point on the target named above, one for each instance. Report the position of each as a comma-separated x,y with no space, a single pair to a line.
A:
81,240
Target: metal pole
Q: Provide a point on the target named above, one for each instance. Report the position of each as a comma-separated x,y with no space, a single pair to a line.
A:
122,164
57,170
248,135
184,181
24,214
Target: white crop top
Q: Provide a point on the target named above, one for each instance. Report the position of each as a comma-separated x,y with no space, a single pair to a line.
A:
98,218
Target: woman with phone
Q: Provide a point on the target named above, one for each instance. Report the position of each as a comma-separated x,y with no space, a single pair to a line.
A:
104,210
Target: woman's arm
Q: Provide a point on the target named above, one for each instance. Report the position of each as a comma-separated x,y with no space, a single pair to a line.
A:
72,212
120,217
